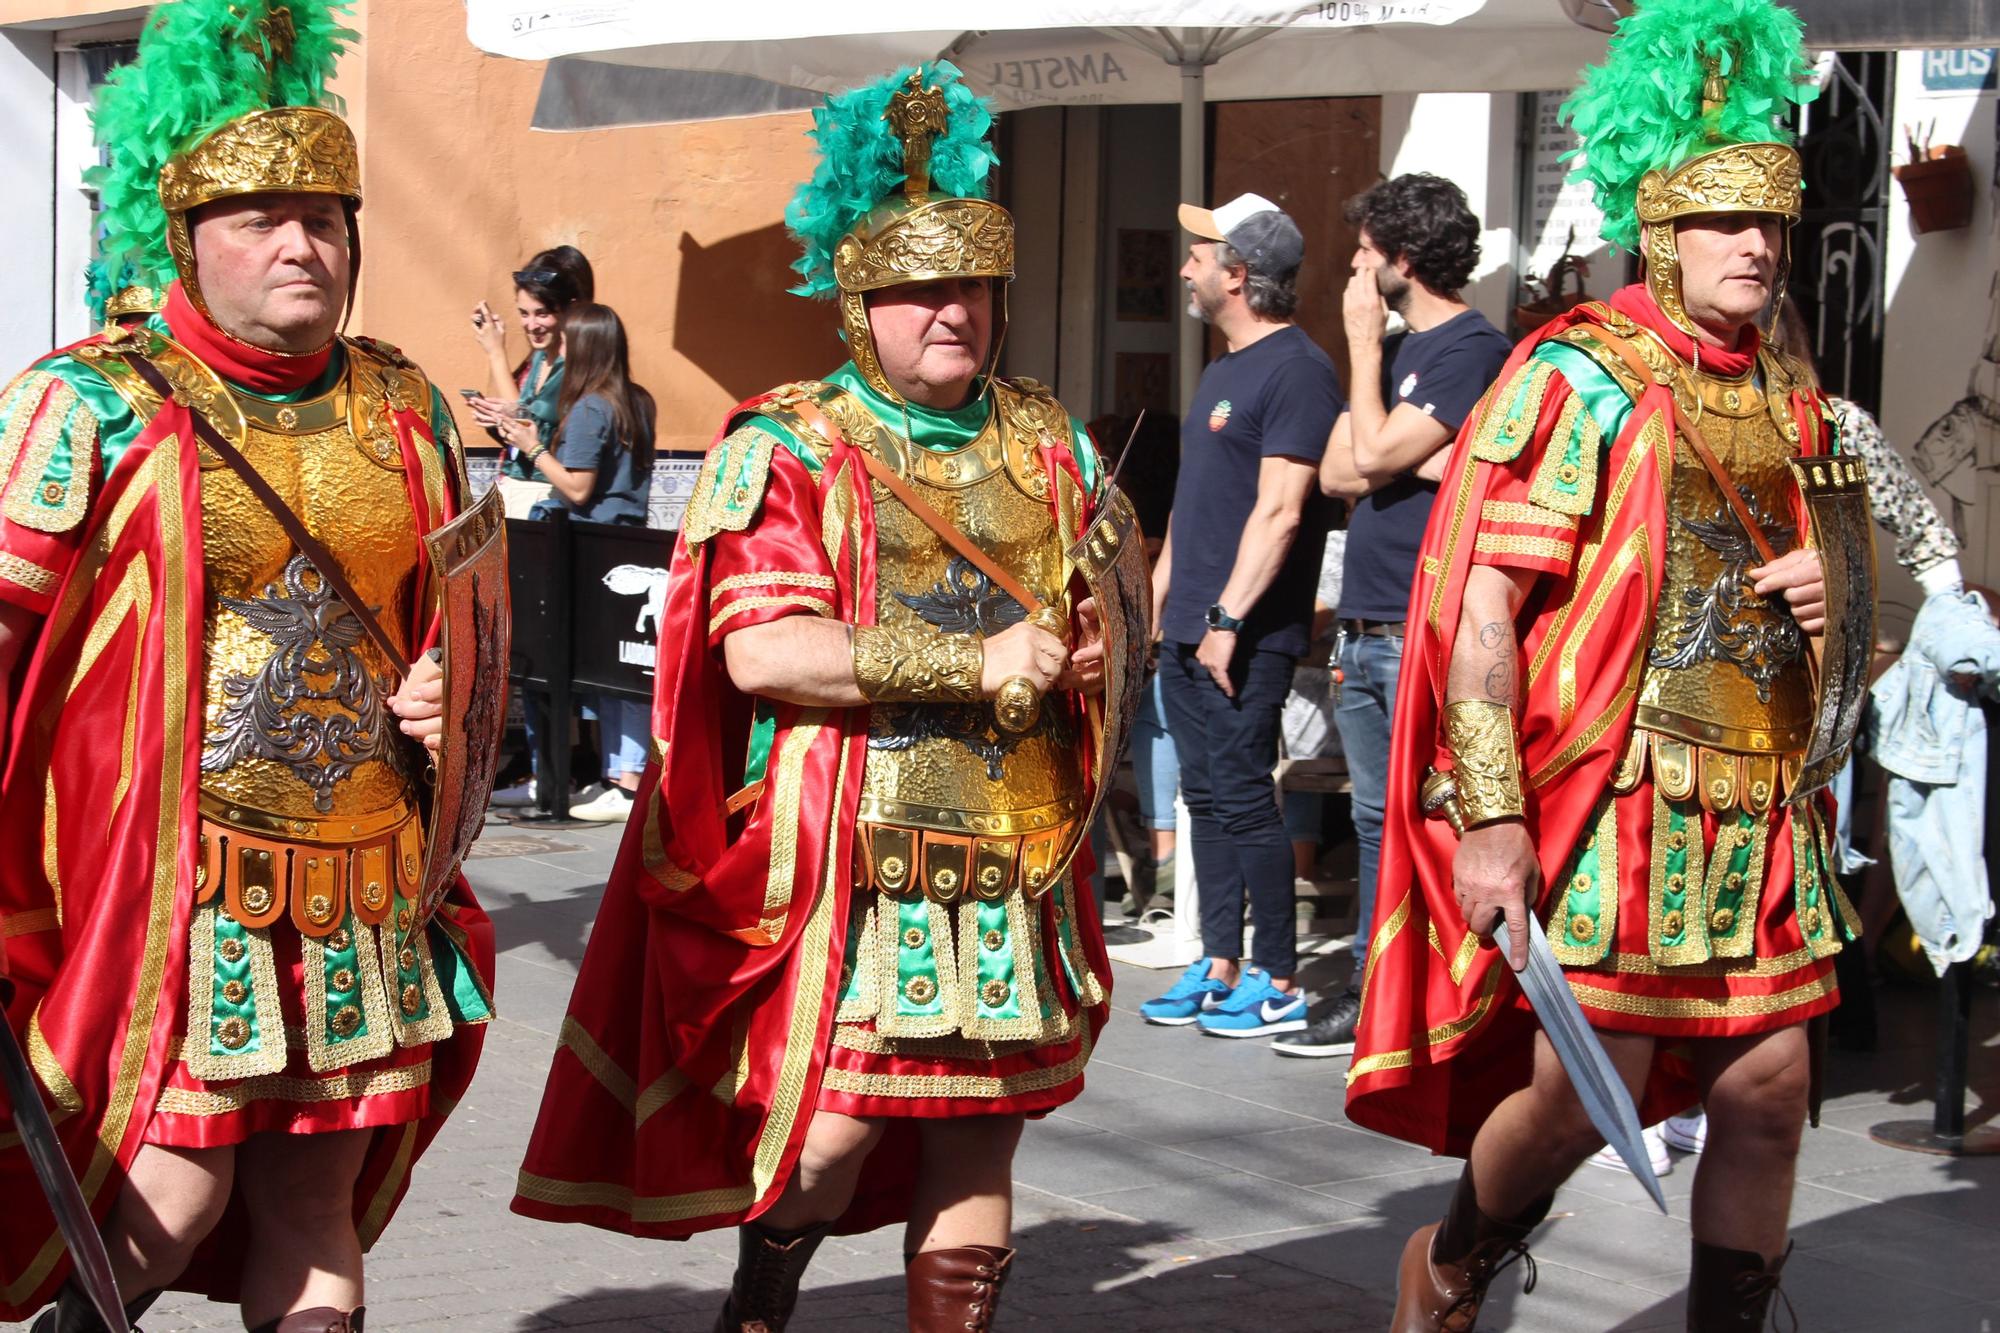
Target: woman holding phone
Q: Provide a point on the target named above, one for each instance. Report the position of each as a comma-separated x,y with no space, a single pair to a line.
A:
544,289
600,468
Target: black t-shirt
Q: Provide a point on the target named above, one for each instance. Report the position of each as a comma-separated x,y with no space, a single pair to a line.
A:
1277,397
1442,372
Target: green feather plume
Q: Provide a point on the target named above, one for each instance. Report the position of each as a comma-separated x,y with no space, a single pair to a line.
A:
201,64
1642,108
861,164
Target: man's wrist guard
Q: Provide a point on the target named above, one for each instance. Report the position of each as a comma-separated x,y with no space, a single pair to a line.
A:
909,665
1486,760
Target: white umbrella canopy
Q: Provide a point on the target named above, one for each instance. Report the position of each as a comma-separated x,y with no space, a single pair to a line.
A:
1025,53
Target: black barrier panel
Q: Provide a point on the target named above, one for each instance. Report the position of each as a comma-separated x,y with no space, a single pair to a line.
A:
618,581
540,644
586,598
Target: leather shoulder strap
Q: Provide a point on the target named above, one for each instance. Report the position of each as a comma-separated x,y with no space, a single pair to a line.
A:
309,546
1727,484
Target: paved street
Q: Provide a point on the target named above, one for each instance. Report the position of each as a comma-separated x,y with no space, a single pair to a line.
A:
1197,1185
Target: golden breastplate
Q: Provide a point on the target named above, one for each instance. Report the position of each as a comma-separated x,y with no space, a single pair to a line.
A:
1726,669
948,767
296,717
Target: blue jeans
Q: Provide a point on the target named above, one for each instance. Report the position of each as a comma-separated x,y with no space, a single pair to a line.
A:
1228,748
1366,705
1156,770
625,732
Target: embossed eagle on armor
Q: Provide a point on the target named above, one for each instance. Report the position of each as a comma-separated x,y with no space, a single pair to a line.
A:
1725,621
964,601
316,662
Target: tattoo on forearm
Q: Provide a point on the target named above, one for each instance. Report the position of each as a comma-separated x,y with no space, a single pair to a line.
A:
1497,638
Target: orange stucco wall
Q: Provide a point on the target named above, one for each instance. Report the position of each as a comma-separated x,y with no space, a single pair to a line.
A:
41,11
683,224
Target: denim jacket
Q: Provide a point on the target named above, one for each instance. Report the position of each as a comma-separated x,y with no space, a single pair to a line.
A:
1930,736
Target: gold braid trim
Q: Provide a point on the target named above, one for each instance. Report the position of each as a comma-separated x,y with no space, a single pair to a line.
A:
817,605
913,665
1485,759
28,574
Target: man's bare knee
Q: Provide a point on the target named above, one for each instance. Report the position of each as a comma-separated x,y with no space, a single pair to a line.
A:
1761,1108
836,1146
171,1200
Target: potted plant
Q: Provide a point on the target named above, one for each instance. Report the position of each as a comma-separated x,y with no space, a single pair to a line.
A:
1938,183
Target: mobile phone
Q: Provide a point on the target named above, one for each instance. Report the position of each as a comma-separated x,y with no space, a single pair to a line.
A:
468,394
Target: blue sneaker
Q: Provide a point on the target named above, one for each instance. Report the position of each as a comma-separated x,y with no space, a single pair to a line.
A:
1255,1008
1194,994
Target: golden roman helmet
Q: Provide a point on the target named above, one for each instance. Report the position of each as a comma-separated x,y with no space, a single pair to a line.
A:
1737,178
287,149
918,236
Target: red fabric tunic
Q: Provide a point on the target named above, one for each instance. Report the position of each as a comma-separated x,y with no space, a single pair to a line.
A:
97,877
700,1036
1445,1032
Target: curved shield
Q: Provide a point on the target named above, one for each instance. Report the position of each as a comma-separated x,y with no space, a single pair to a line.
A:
1111,556
1843,529
469,560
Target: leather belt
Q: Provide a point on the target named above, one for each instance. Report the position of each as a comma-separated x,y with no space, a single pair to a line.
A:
945,867
267,867
1381,629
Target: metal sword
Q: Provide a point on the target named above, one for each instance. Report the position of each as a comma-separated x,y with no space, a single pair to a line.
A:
1598,1086
73,1219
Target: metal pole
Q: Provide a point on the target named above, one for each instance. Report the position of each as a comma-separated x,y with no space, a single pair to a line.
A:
1954,1037
552,792
1194,190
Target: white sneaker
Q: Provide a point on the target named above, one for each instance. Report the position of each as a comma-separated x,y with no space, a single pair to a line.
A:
520,794
1656,1153
1688,1132
613,806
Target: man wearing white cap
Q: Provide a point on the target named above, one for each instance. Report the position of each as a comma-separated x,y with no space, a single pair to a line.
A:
1233,596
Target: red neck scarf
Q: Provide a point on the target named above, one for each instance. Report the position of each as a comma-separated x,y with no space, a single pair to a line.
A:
240,364
1638,304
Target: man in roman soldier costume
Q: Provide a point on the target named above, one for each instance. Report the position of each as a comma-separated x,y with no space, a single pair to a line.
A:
1638,635
245,1018
847,948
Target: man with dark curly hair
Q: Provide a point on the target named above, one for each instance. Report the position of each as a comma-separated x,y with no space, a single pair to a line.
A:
1410,392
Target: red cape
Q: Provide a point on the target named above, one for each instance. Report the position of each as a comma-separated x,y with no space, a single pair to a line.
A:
97,876
1445,1034
690,1061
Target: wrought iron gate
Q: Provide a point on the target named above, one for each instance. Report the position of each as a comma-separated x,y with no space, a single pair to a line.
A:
1837,248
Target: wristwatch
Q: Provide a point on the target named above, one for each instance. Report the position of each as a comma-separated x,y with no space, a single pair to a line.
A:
1222,620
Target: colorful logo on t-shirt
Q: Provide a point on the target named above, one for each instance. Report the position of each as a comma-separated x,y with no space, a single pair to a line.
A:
1408,386
1218,416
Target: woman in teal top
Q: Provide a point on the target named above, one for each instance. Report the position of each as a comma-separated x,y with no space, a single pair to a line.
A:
544,291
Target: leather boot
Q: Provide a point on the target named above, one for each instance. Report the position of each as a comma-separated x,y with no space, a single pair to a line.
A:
769,1264
73,1312
951,1291
1448,1265
318,1319
1731,1290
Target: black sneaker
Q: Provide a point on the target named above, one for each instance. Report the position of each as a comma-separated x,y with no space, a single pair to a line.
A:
1332,1034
